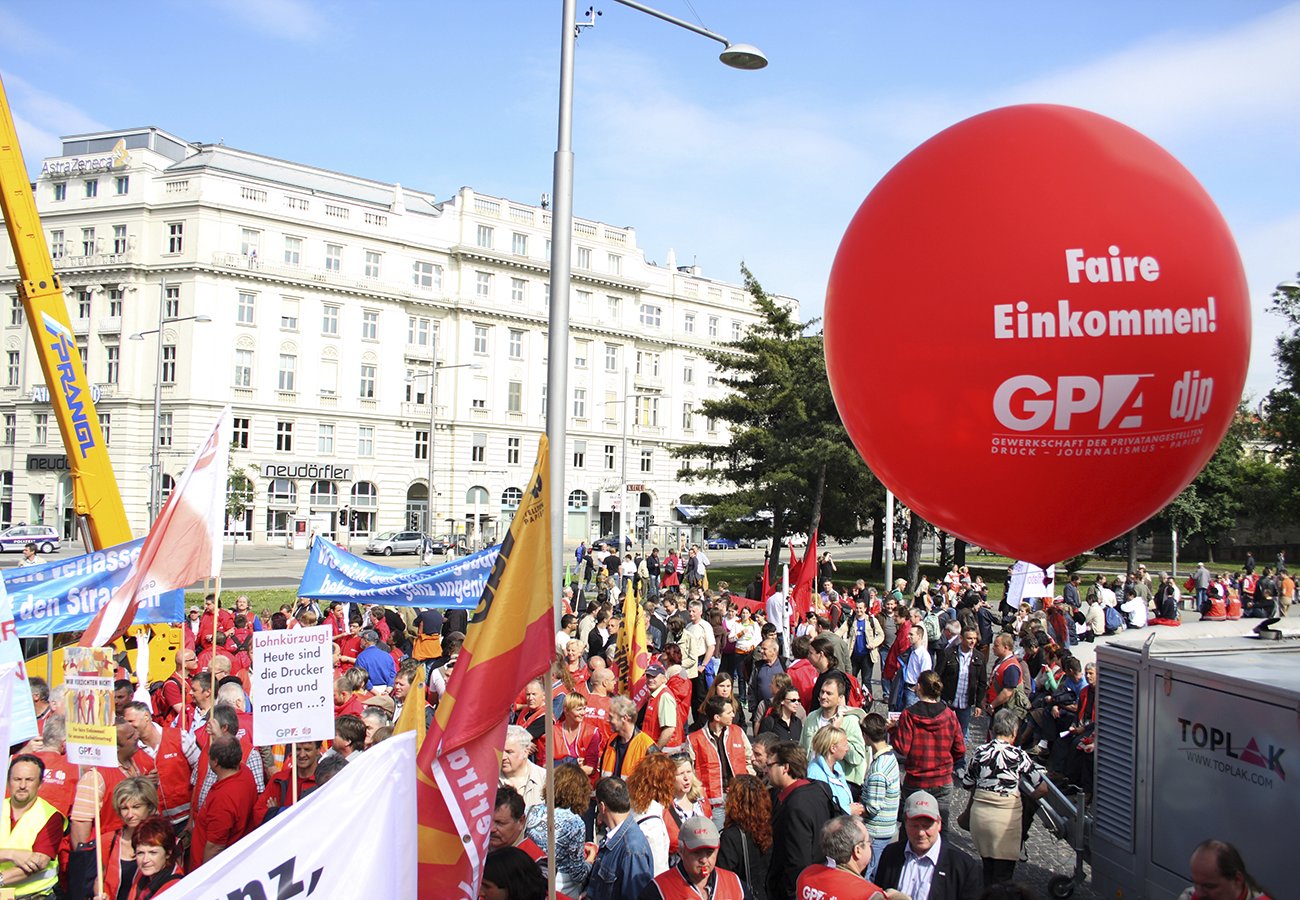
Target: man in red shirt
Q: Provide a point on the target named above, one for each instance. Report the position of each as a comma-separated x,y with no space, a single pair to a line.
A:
279,790
176,698
225,621
845,840
227,811
59,785
28,847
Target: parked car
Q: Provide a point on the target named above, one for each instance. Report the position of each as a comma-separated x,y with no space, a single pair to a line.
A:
390,542
16,538
611,542
720,543
752,543
798,540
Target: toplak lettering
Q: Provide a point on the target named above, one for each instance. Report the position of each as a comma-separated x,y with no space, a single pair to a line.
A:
278,885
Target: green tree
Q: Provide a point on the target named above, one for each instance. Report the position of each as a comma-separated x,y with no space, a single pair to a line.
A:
788,451
239,490
1282,419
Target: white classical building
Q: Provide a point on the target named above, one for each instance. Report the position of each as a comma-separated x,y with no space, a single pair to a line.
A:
327,295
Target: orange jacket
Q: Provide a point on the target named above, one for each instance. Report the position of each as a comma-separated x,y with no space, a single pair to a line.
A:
708,765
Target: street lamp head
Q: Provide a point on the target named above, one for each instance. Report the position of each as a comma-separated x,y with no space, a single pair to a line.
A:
1288,286
136,337
203,318
743,56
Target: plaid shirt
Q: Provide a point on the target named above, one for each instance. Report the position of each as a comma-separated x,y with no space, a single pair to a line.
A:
929,742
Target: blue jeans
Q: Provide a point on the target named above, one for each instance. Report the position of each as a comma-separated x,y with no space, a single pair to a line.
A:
963,718
878,846
908,697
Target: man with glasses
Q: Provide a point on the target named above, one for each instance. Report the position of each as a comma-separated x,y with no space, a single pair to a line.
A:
844,839
802,808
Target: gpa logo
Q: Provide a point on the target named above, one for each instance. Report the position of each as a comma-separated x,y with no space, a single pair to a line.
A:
1220,741
1028,402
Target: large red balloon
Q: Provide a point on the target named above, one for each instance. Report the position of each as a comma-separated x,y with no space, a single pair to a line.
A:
1037,330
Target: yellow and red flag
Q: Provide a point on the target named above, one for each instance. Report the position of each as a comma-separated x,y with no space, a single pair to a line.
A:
511,639
633,652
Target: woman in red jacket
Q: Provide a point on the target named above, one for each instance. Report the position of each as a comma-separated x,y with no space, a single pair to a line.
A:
157,860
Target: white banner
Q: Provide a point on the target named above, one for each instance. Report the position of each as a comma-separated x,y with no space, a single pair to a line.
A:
298,853
293,686
22,714
1028,581
11,676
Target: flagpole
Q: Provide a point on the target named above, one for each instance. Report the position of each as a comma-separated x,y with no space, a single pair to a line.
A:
293,768
99,842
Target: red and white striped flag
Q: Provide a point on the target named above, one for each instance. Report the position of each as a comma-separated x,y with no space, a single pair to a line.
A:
184,544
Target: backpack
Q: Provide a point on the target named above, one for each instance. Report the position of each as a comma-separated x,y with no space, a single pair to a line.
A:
158,701
1113,620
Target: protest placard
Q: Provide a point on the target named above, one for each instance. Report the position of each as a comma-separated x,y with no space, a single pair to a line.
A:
293,686
92,736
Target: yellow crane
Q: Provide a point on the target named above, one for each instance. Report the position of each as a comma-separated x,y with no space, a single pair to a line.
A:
100,515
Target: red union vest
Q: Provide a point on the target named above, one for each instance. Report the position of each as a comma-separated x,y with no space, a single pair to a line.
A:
708,765
672,885
1000,671
173,777
651,725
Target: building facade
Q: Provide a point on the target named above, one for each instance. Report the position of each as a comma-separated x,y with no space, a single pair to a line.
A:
315,303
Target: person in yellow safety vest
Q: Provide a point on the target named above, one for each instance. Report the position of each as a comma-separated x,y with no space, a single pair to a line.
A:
30,832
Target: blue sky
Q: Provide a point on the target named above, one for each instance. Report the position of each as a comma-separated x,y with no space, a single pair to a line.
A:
723,166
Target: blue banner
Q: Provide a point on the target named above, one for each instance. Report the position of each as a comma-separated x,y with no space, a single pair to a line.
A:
63,596
332,573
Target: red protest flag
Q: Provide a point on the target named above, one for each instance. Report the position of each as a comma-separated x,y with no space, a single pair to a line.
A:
511,639
802,584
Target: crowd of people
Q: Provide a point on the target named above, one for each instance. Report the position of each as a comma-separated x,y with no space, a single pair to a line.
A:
766,754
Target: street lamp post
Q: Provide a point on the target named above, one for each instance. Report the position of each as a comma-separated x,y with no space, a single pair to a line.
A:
155,457
432,375
740,56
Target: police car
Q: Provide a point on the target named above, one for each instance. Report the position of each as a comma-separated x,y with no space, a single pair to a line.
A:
16,538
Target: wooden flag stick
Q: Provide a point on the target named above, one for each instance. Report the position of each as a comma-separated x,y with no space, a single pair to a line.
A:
99,842
293,765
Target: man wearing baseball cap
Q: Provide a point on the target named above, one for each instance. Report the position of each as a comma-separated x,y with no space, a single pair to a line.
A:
924,866
661,720
697,874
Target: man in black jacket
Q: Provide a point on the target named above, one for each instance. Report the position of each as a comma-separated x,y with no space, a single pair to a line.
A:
802,808
924,866
966,666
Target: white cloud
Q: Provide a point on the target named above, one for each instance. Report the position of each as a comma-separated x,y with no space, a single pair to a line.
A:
1270,253
17,38
294,20
41,119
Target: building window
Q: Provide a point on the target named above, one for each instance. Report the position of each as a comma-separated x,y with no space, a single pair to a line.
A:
284,436
367,386
478,448
735,331
512,451
579,454
87,242
333,257
580,403
243,368
647,461
165,429
292,251
115,302
172,301
58,249
329,377
288,314
83,304
613,307
581,305
119,238
713,326
427,276
580,349
688,375
282,492
483,237
11,429
325,439
515,397
422,444
106,426
647,411
14,368
711,424
175,237
288,380
169,364
370,325
611,357
609,457
584,258
92,187
41,421
250,242
60,190
112,364
245,309
578,501
688,323
647,364
519,244
239,430
651,316
543,401
480,339
483,284
516,343
329,323
122,184
417,331
687,412
518,290
615,264
15,311
373,260
365,441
